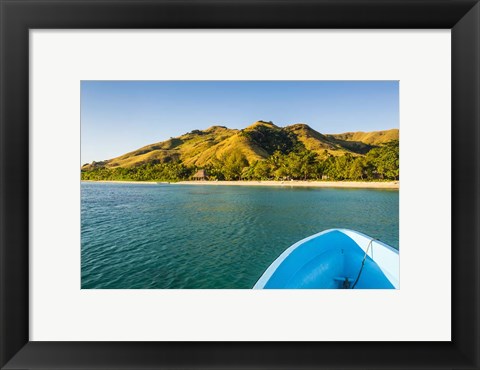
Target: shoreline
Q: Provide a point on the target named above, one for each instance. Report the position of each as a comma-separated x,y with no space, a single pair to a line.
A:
126,182
314,184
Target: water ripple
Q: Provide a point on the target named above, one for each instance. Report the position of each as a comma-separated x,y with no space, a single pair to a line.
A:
158,237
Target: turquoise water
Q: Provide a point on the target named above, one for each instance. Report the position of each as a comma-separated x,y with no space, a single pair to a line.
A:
191,236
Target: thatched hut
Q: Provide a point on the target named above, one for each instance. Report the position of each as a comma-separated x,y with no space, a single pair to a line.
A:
200,175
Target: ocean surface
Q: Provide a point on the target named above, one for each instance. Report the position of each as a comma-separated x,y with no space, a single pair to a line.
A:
139,236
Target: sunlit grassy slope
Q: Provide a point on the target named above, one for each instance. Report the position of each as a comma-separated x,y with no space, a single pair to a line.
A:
372,138
255,142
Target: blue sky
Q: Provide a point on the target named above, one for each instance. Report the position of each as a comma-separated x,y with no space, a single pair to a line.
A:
121,116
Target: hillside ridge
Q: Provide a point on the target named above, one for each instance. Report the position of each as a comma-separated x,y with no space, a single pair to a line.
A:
255,142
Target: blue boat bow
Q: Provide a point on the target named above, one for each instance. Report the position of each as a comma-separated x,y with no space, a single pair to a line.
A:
334,259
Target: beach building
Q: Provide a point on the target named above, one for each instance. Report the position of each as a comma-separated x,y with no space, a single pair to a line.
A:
200,175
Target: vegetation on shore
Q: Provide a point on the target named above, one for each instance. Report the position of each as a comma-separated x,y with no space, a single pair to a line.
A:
288,161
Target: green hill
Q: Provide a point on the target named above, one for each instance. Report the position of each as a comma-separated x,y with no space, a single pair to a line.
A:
255,143
370,138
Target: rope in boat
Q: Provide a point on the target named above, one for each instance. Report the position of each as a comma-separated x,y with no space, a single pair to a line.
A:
363,262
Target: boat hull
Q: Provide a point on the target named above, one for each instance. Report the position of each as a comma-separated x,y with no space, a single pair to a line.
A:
334,259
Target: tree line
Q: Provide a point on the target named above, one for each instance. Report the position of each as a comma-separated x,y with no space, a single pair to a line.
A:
380,163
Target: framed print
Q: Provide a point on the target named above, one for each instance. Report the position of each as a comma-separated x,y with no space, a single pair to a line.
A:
169,256
245,122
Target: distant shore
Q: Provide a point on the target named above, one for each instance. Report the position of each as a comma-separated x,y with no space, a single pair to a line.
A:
127,182
316,184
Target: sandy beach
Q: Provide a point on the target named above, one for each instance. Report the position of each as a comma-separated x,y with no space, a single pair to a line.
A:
314,184
127,182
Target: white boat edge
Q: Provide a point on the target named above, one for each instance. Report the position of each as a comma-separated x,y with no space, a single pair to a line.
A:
386,257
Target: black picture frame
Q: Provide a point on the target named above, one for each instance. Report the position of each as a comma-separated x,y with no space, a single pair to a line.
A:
17,17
